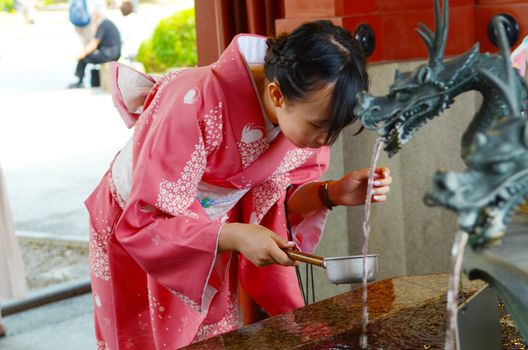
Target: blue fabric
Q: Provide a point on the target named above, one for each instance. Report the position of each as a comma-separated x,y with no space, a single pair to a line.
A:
78,12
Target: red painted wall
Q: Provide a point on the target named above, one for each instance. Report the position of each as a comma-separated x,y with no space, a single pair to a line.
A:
393,22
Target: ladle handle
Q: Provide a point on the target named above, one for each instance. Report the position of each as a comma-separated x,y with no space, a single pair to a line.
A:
305,257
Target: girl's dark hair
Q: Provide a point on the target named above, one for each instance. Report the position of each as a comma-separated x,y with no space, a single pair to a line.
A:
313,55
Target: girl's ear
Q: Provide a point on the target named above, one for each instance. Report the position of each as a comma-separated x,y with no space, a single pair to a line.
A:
277,99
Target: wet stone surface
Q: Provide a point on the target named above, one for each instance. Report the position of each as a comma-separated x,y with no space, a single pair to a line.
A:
405,313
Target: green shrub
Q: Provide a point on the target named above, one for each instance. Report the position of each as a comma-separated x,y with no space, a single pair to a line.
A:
7,5
173,44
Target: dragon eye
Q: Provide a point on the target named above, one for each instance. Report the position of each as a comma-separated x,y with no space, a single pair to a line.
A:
424,75
402,96
502,167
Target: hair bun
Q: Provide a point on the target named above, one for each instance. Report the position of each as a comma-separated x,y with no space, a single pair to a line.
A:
276,44
274,55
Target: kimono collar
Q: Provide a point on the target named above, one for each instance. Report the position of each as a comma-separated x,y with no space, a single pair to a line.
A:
244,110
234,76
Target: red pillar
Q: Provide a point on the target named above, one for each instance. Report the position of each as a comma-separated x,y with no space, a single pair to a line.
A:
218,21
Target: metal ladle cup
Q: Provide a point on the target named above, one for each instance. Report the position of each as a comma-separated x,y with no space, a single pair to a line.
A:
342,269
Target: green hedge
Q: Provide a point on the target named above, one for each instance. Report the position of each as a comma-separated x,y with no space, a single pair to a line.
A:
173,44
6,5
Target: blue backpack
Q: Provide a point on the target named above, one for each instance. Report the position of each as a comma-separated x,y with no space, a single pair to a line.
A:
79,15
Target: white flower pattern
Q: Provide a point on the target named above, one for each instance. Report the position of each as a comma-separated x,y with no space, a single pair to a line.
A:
266,194
175,198
186,300
226,324
251,151
211,125
98,249
153,108
156,309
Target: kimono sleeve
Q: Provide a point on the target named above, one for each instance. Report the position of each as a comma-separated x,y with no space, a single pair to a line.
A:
163,226
307,231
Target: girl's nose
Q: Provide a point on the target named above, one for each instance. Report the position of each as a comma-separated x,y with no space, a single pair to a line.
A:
320,140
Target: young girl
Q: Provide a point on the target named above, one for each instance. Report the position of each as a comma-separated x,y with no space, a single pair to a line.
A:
199,199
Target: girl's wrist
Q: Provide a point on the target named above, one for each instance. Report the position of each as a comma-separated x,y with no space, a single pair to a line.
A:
333,192
327,195
228,240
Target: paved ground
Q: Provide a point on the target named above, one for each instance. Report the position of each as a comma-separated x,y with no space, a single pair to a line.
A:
64,325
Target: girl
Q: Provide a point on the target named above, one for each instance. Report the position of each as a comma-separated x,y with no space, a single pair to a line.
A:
199,199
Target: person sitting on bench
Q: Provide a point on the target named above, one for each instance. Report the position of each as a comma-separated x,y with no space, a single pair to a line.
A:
104,47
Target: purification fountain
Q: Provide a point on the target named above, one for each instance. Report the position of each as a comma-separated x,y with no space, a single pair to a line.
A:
410,312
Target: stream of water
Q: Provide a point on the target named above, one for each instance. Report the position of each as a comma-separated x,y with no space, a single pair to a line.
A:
457,254
363,340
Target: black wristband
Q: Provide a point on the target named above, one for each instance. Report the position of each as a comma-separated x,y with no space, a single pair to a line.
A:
323,195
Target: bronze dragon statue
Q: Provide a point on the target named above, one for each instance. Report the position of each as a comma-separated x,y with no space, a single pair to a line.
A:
494,148
486,195
418,96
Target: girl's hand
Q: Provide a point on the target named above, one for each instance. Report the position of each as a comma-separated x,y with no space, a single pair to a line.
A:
351,189
258,244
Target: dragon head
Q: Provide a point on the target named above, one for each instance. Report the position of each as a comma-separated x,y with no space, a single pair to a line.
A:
414,98
418,96
495,183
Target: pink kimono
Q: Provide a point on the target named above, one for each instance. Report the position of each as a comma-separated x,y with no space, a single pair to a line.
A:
202,154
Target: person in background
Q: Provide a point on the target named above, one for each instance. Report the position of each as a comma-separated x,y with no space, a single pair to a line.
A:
105,46
12,275
135,5
132,32
79,15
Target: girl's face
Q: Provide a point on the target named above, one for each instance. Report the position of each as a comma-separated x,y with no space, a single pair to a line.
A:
305,123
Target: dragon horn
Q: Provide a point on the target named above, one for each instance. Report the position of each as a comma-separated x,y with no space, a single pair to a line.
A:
427,36
436,42
440,31
512,93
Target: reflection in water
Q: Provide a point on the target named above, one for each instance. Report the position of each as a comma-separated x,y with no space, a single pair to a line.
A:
413,328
